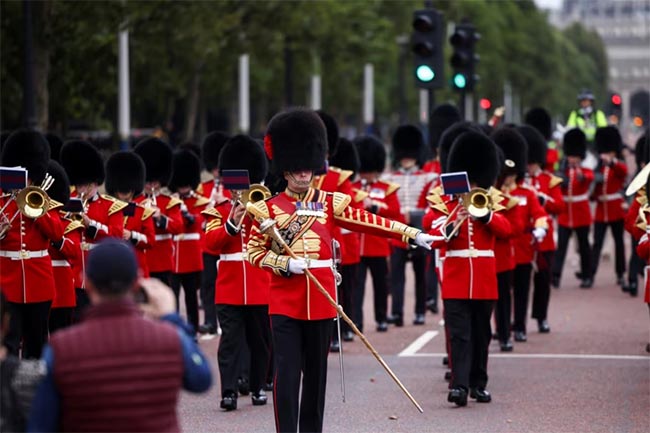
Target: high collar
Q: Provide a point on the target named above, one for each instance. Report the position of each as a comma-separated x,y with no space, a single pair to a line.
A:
297,196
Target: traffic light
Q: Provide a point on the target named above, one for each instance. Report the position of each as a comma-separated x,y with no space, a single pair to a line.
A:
485,103
464,58
616,100
427,44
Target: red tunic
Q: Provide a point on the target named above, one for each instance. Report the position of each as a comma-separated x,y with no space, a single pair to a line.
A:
533,215
643,250
160,257
575,192
350,241
610,203
469,266
66,262
143,234
632,217
384,202
205,190
188,243
295,295
238,282
504,249
548,188
25,265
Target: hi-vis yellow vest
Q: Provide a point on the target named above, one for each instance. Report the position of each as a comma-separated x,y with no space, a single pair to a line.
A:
588,126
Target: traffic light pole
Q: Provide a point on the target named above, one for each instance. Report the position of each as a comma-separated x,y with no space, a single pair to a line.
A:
461,103
432,105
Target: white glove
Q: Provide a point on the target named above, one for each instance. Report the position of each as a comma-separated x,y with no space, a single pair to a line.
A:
424,240
539,233
297,266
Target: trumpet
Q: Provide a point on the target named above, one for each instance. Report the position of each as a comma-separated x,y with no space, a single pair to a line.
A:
31,201
478,203
253,194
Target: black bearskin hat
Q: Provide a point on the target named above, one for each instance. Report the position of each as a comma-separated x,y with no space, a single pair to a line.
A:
575,143
125,172
332,132
346,156
28,149
642,150
211,148
372,154
242,152
541,120
514,148
82,162
408,142
537,145
608,139
157,158
186,170
448,138
475,153
298,141
60,189
442,117
194,148
56,144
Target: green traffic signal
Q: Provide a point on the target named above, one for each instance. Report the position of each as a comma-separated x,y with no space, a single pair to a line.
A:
425,73
460,81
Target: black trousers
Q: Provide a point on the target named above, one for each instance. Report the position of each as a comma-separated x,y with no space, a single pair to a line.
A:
469,330
432,279
398,260
60,318
27,323
165,277
208,282
504,305
564,234
301,348
542,285
83,302
190,282
243,325
521,286
619,248
346,291
378,267
636,265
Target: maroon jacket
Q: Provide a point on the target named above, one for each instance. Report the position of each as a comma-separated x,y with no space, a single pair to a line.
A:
124,380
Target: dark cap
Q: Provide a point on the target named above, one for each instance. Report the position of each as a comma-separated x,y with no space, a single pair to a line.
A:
112,266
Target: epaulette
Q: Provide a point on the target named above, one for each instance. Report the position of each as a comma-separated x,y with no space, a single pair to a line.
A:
201,201
391,187
259,210
343,176
434,197
359,195
211,212
555,181
147,212
496,196
72,189
339,202
54,205
199,189
173,201
74,225
641,197
116,206
511,201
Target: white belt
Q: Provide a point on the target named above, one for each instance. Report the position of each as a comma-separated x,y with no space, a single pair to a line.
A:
610,197
23,254
313,264
576,198
163,237
233,257
469,253
60,264
188,237
346,231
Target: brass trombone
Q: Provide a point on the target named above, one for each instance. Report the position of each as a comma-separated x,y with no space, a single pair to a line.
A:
31,201
478,203
253,194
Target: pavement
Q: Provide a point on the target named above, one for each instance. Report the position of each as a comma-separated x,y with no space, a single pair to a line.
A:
590,374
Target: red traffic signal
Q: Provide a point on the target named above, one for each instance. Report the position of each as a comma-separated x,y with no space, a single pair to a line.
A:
616,99
485,103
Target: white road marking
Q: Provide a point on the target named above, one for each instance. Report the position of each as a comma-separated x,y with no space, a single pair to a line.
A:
534,355
419,343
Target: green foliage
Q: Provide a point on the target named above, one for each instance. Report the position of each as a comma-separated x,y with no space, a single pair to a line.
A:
174,43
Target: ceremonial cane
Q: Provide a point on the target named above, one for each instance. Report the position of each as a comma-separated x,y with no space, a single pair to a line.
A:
268,226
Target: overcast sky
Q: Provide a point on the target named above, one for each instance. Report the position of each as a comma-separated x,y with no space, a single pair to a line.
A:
549,4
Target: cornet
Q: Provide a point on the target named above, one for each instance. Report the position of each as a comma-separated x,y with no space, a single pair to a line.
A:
32,201
478,203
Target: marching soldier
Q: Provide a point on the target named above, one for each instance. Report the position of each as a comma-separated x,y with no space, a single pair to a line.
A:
212,188
469,282
65,254
188,263
547,187
242,294
125,177
300,314
381,200
643,250
540,119
610,177
576,182
102,214
26,276
408,150
157,158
